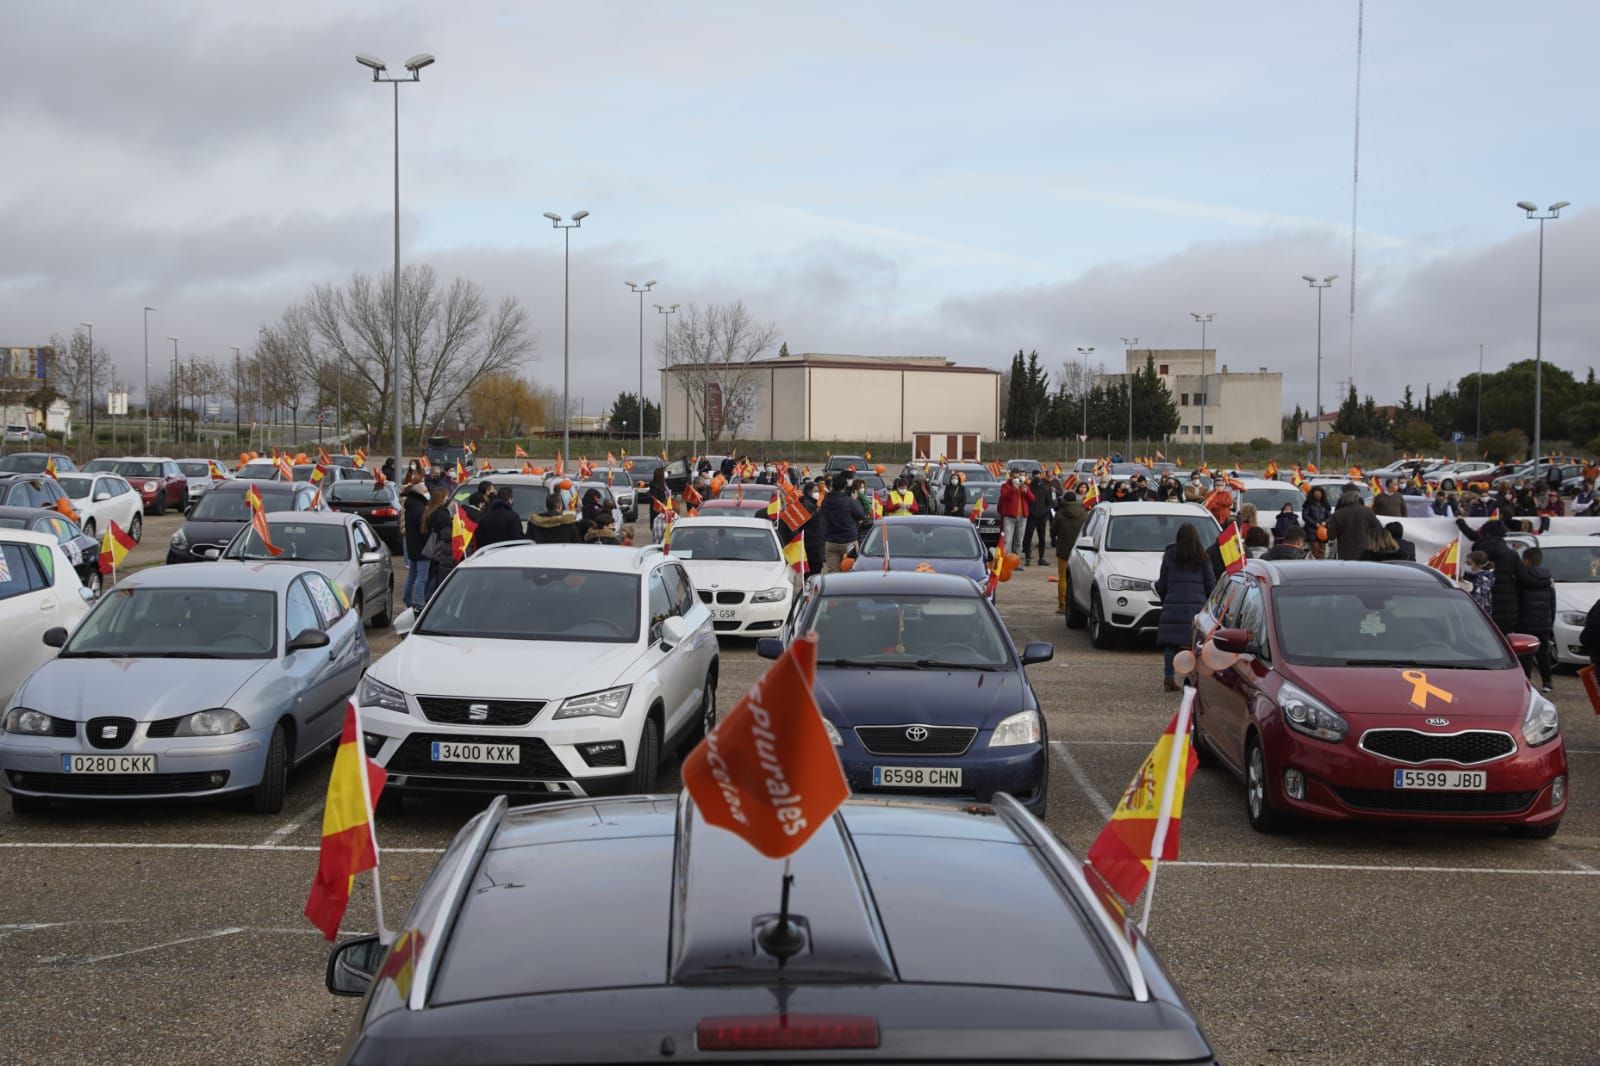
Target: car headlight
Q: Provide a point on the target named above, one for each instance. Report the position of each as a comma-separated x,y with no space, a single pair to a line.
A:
179,541
607,704
29,723
1540,723
833,734
216,722
1020,728
1574,618
769,595
1118,583
371,693
1308,716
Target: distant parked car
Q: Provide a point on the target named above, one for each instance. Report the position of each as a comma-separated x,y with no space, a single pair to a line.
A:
215,519
101,499
341,547
159,481
30,490
198,471
35,462
23,435
38,591
378,504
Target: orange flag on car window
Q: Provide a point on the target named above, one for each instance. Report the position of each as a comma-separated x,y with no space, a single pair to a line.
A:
768,771
65,507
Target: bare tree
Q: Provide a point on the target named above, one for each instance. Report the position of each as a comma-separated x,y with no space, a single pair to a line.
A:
77,369
710,353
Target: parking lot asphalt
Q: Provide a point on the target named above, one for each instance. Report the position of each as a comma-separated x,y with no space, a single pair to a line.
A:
174,932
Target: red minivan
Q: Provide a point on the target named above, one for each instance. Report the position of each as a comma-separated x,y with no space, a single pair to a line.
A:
1374,691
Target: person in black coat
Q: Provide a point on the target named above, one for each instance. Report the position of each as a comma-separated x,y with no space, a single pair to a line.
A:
1536,614
1589,636
812,533
1186,581
1408,549
437,519
1039,514
955,497
415,593
556,525
498,521
1490,538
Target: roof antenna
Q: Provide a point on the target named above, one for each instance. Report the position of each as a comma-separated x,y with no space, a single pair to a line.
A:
782,938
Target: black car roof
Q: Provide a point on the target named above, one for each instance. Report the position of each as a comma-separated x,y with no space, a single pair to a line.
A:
239,486
1347,572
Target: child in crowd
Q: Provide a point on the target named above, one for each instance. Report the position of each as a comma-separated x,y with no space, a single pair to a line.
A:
1479,580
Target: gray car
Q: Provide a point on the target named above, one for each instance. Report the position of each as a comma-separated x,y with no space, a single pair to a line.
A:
341,547
186,681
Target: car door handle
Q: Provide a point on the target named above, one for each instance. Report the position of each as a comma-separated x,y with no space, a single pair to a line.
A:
47,605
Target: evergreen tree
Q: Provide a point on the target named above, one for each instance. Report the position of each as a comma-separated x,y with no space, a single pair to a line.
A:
1017,414
1349,421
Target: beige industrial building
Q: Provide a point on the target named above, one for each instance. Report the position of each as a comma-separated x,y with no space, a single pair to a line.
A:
1238,407
815,397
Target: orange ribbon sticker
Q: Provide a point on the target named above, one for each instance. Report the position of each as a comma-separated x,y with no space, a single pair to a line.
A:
1421,690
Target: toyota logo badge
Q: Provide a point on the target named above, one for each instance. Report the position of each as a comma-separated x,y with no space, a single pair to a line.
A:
916,734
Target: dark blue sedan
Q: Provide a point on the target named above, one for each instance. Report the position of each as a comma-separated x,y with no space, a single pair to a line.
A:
922,689
941,543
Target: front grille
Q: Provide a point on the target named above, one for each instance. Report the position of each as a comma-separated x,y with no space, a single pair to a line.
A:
61,727
119,784
495,712
730,597
705,595
166,727
892,739
1411,746
121,731
724,625
1417,801
536,760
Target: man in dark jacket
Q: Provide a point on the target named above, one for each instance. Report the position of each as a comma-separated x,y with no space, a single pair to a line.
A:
479,500
811,533
1292,546
1388,503
842,519
1352,525
498,521
1068,523
1039,514
556,526
1536,614
1490,538
1408,549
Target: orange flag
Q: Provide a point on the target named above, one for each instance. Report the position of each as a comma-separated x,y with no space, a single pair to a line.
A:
768,771
65,507
561,464
258,521
349,844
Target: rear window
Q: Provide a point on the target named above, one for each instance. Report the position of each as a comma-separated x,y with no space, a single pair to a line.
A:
356,491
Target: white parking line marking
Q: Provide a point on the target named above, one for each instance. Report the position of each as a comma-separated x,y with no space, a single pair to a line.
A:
214,934
89,845
1106,743
289,828
1377,869
1099,801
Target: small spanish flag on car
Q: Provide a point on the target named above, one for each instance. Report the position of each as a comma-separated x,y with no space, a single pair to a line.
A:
461,530
258,521
1231,545
114,547
361,457
50,467
794,553
349,845
520,454
216,472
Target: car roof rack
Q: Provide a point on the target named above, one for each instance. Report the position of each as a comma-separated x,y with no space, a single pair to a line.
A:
450,906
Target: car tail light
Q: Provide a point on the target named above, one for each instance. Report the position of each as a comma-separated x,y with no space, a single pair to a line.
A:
384,512
786,1032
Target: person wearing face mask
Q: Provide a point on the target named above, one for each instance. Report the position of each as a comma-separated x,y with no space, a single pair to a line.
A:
955,497
1016,500
813,535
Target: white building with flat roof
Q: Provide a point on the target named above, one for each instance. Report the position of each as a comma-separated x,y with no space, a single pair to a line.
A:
1237,407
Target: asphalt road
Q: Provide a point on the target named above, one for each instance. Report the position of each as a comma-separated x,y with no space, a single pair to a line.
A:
174,933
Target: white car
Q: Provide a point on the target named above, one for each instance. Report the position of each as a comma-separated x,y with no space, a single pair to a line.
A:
738,571
39,590
198,471
101,499
1269,498
1573,560
1115,563
621,489
563,669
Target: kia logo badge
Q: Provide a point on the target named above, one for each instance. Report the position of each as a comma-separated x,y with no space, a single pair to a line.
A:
917,734
1437,721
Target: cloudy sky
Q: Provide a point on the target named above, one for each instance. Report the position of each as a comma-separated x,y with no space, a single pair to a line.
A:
958,179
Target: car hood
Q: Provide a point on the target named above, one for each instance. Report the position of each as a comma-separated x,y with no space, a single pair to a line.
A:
1366,693
143,689
852,696
1144,565
1576,595
504,669
976,569
211,531
726,574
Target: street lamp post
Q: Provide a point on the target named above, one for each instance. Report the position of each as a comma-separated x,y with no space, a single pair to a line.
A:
1205,383
1129,343
413,65
1553,211
1319,286
238,393
147,311
666,381
641,290
1085,352
88,400
174,403
566,229
1478,436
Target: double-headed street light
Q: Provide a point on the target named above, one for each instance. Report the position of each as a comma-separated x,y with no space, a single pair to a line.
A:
1553,211
414,67
1128,344
666,359
1085,353
641,290
1205,383
147,311
566,229
1319,286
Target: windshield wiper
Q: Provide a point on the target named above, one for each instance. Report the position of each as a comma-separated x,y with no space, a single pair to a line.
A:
1417,663
940,664
868,665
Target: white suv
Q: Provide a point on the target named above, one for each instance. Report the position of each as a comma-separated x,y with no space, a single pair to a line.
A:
1116,560
561,669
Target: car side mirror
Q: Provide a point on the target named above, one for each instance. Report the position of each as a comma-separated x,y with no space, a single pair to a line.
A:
1521,643
1038,652
188,512
307,639
55,636
211,551
1088,545
101,494
769,647
1232,641
404,622
674,631
353,964
371,557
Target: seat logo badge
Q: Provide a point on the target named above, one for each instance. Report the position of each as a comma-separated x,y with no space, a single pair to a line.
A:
916,734
478,712
108,732
1437,721
1421,690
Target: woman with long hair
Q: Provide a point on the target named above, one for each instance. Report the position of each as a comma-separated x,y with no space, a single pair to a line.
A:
1186,581
436,533
660,503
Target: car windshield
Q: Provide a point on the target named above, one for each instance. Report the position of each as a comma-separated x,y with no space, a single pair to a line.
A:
136,469
1128,471
874,482
909,631
260,471
1411,626
219,506
534,603
644,469
97,465
177,623
191,468
358,491
311,542
1153,532
725,544
1271,501
916,540
747,490
526,500
1581,563
77,488
22,464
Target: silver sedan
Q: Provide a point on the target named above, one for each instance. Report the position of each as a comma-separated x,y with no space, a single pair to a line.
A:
344,548
186,681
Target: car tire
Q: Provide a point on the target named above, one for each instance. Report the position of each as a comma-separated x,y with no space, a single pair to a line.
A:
160,507
1526,832
382,619
88,529
26,805
1202,748
1101,634
705,717
136,527
643,779
1264,817
1075,618
95,584
268,795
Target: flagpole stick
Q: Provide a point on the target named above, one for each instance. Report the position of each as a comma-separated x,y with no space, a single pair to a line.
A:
385,935
1177,758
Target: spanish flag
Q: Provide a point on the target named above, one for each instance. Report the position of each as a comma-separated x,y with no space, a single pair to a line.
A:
977,508
1231,545
285,468
215,471
361,457
1272,470
794,553
1447,559
349,845
520,454
114,547
774,506
258,521
50,467
319,473
461,473
1144,827
1091,493
461,530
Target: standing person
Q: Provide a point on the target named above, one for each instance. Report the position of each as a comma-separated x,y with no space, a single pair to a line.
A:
920,495
955,497
1292,546
1536,615
1065,528
1286,520
1353,523
1585,503
1185,583
590,510
1388,504
660,498
1381,548
1247,519
1490,538
436,522
388,470
901,499
1442,507
556,525
1256,542
1478,580
498,521
1407,549
1015,502
1314,516
842,520
415,593
812,532
1040,512
479,499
